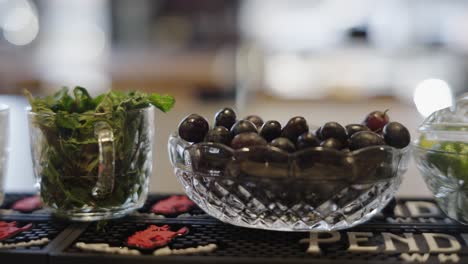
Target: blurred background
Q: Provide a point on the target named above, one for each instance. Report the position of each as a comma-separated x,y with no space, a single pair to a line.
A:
327,60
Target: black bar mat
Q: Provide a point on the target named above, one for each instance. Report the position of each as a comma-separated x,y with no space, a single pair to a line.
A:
242,245
47,234
407,231
400,211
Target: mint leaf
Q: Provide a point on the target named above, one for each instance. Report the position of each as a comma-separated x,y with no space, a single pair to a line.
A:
80,101
83,100
163,102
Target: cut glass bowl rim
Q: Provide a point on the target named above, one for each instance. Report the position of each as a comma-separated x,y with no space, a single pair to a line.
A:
344,166
296,153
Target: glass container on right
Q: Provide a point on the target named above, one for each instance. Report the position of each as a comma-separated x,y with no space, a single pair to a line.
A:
441,154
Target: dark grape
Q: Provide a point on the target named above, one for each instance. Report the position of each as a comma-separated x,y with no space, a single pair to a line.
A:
332,143
270,130
242,126
317,133
225,117
284,144
376,120
333,130
247,140
365,139
307,140
295,127
218,134
193,128
258,121
351,129
396,135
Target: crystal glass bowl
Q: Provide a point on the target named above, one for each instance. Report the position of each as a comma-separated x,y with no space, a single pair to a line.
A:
263,187
446,176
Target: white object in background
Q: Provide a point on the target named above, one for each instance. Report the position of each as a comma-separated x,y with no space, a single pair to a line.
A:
4,125
291,26
75,44
19,175
19,21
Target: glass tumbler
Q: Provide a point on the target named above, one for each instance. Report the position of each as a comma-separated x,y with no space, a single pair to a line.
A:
92,166
4,126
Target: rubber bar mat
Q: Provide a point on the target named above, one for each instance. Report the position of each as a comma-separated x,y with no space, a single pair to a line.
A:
407,231
221,243
401,211
12,199
33,242
7,208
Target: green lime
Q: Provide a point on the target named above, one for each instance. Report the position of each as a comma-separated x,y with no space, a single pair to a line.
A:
447,147
452,160
464,148
425,143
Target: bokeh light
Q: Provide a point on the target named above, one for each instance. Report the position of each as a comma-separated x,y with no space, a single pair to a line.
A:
20,24
431,95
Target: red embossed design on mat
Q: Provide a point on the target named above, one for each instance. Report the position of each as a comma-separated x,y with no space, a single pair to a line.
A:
8,230
175,204
154,236
28,204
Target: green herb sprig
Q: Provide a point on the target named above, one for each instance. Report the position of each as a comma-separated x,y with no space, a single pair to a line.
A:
81,102
66,149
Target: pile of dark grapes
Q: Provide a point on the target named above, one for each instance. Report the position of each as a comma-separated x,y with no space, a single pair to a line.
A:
375,130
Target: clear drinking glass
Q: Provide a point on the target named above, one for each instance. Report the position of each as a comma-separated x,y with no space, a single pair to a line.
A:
4,126
92,166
